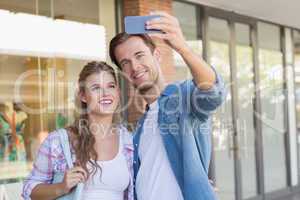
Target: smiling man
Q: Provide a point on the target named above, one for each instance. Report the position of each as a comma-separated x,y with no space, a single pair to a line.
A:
172,140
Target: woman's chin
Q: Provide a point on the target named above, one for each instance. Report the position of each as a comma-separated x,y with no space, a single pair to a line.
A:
105,111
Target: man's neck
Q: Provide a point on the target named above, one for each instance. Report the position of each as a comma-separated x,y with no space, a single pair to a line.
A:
154,92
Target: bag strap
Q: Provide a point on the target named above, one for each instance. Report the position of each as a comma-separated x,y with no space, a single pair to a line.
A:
64,140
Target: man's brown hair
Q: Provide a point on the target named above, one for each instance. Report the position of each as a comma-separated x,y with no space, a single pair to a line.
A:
123,37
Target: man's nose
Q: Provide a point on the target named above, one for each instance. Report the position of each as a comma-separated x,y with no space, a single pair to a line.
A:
135,65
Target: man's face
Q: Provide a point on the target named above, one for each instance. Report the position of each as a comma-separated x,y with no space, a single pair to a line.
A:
139,64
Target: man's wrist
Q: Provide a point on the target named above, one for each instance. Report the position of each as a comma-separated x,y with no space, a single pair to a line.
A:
185,49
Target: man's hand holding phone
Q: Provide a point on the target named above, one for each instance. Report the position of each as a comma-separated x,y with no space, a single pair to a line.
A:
160,25
137,24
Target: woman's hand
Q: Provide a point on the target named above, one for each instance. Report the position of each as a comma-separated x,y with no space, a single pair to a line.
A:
72,177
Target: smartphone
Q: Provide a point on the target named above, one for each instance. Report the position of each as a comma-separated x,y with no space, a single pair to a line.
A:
137,24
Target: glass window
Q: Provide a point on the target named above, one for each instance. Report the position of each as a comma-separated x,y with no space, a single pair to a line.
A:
44,7
40,90
272,103
219,33
40,7
297,84
190,25
19,82
246,96
291,112
28,6
77,10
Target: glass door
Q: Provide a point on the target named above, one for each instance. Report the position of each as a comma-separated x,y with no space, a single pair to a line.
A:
297,87
218,45
245,107
273,113
231,52
250,129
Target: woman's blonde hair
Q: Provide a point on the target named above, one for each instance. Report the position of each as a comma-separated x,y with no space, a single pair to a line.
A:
84,141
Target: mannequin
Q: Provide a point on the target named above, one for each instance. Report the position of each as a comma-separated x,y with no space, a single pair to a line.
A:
12,147
21,117
5,131
7,121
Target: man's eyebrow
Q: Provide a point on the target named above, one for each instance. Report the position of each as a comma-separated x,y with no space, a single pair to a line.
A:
139,52
136,53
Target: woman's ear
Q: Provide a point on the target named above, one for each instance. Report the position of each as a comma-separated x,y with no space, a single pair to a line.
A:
82,97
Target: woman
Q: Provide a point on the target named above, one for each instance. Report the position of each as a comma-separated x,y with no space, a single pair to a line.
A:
101,150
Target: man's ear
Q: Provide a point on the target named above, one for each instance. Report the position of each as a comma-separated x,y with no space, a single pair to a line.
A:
157,54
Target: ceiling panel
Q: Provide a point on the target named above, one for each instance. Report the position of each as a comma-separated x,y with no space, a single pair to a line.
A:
286,12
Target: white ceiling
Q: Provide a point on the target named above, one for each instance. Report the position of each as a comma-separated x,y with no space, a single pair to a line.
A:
285,12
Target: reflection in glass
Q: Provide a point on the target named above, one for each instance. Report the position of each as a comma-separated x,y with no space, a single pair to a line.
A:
47,88
14,119
222,120
44,8
40,95
28,6
246,130
186,14
272,104
297,83
77,10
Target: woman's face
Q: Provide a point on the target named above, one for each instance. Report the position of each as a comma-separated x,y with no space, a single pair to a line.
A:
101,93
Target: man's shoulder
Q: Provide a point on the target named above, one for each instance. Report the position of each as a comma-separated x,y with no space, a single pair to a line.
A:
177,87
180,82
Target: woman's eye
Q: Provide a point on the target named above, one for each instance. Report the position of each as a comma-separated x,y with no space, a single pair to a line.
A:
112,86
95,88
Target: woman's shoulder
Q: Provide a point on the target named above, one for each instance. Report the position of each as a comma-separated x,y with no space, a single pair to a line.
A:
55,135
53,139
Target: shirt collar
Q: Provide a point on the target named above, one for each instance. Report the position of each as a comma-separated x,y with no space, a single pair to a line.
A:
170,89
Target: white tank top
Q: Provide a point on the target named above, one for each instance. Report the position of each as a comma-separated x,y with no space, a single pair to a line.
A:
111,182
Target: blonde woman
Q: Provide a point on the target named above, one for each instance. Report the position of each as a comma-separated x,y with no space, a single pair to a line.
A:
101,150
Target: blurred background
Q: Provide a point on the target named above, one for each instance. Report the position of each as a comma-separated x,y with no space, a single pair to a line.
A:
254,45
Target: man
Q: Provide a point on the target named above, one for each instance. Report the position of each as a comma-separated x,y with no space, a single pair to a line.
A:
172,140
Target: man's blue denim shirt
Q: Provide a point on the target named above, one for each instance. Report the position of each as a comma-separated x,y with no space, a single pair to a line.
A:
184,120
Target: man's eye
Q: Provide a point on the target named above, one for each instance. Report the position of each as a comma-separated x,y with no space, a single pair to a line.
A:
139,56
124,64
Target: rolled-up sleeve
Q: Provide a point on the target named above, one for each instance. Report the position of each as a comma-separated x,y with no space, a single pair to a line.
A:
42,171
203,102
